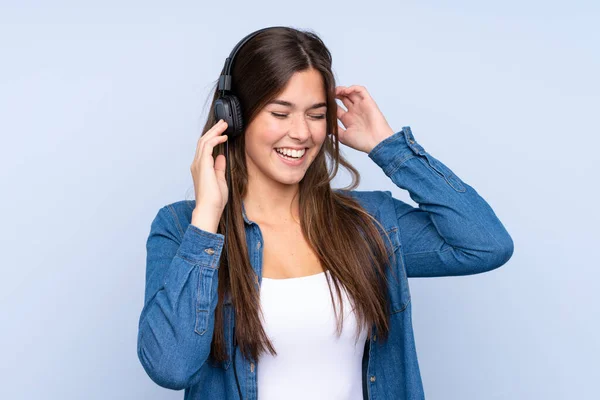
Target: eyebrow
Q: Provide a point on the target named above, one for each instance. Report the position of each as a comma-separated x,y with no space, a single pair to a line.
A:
292,105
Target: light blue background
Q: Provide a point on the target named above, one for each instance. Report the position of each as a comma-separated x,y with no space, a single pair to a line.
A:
101,107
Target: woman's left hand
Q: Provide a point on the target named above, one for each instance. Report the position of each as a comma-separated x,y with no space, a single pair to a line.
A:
365,124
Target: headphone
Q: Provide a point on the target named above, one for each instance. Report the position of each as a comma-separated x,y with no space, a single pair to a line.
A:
227,106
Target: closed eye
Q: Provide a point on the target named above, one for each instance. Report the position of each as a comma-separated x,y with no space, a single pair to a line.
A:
282,116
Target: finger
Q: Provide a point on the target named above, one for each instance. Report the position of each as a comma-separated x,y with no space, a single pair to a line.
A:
340,112
220,166
215,131
346,100
341,130
341,92
212,142
355,97
356,92
339,89
206,158
206,147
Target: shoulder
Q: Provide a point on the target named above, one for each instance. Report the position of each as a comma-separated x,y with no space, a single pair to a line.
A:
380,205
373,201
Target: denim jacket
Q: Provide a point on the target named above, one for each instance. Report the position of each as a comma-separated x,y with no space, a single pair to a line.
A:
453,232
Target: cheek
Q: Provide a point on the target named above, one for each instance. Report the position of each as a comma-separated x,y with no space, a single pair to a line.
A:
271,131
320,136
262,137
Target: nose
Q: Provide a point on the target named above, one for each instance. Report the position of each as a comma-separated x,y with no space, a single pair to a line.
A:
300,129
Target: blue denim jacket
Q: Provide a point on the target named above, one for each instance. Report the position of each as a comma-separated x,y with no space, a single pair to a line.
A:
453,232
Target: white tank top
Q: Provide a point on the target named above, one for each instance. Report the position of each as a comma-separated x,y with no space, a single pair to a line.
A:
311,362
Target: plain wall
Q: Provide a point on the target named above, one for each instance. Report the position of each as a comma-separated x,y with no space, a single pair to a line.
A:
101,106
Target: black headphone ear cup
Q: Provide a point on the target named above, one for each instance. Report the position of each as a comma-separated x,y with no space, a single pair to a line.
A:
238,120
228,108
221,110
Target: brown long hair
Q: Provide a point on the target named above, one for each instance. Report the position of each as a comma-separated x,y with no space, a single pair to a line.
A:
340,232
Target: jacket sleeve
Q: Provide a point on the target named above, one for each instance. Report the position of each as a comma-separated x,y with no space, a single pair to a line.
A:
454,231
176,323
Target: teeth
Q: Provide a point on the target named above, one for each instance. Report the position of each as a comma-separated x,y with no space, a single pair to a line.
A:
291,153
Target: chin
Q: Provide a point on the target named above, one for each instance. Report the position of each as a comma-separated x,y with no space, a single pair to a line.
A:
289,180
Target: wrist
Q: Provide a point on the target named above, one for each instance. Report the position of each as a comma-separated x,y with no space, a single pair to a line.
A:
380,137
205,220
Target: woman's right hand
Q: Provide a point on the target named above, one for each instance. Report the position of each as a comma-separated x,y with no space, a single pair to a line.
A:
210,183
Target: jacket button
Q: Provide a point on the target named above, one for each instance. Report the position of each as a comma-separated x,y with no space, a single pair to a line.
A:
209,251
374,338
411,141
373,379
251,367
258,245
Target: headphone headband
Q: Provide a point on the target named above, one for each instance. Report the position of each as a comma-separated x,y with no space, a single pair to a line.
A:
225,78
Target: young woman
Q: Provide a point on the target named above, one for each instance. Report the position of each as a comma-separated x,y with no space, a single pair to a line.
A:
305,294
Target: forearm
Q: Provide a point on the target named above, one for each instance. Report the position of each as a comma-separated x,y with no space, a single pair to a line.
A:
460,234
177,322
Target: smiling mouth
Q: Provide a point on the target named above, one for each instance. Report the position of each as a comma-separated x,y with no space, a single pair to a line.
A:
292,160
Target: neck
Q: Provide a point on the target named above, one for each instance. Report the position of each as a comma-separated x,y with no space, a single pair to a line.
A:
272,203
